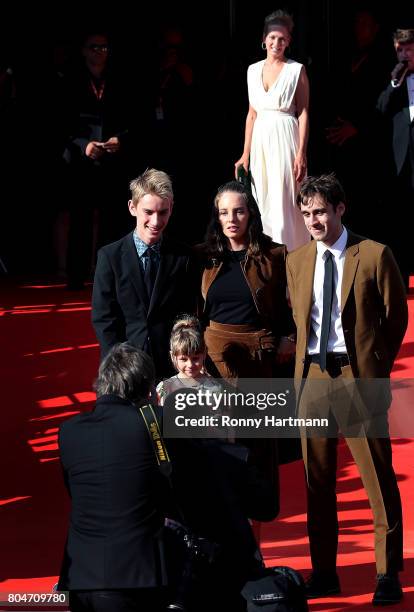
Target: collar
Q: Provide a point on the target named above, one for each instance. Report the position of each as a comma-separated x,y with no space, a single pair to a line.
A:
142,246
111,399
337,248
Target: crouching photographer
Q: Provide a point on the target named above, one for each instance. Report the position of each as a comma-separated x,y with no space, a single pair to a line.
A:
114,558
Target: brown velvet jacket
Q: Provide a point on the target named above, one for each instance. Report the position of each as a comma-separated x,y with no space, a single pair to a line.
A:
266,277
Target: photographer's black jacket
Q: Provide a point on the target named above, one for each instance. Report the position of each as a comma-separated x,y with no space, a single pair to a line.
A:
110,470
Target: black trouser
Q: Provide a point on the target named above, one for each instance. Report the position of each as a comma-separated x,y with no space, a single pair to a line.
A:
122,600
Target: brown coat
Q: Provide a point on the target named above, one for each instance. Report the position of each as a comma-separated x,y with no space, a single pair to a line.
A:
374,305
266,276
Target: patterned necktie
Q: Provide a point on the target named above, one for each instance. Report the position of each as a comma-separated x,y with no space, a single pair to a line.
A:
150,271
328,285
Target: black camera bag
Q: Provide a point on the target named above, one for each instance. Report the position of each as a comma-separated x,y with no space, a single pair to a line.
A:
278,589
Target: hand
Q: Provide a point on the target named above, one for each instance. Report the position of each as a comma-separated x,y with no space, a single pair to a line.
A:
399,71
112,145
286,350
299,167
342,131
94,149
243,161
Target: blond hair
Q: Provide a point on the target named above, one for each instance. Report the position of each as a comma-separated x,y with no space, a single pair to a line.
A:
155,182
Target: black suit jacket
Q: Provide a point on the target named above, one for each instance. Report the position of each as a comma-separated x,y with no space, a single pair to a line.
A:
90,117
113,479
393,103
120,308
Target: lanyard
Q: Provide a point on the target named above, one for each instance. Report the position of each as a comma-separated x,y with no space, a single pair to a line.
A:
157,440
98,91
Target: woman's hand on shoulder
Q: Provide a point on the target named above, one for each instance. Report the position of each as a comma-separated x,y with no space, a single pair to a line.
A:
199,250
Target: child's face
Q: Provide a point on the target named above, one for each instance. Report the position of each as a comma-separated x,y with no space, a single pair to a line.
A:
190,366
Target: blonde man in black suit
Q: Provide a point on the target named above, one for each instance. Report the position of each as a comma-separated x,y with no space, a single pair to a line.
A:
142,282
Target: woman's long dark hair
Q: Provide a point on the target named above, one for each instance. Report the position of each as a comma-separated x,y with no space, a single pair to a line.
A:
216,241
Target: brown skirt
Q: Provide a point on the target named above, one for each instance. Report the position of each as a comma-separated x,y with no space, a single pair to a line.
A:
240,351
243,351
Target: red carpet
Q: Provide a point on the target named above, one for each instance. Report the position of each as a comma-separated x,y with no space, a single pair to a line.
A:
48,361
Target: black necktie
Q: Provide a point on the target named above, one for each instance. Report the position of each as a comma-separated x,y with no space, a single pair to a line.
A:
328,285
150,272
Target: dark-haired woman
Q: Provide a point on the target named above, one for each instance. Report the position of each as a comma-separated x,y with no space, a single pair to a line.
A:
248,320
244,290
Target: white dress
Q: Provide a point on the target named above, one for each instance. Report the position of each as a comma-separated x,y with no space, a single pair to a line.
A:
275,141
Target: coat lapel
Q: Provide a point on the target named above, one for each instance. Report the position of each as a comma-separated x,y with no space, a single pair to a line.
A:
407,114
305,284
209,276
168,261
350,266
130,257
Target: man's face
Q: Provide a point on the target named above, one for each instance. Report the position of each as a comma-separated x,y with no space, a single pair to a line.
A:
95,50
152,214
321,220
405,52
365,28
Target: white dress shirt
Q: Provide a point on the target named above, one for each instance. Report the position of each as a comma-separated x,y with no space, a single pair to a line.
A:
410,87
336,341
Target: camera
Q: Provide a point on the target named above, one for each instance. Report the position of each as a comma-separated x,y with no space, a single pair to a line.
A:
196,553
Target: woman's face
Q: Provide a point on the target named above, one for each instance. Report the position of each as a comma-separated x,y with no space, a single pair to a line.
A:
233,216
277,41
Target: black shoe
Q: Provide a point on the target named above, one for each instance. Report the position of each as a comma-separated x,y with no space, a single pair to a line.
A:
322,584
388,590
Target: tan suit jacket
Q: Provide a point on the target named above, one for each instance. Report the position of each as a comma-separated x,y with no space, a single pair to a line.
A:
373,305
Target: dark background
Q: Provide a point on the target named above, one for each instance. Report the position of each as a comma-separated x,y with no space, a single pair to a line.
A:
221,39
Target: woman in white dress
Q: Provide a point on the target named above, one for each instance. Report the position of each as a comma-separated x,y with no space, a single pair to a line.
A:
276,135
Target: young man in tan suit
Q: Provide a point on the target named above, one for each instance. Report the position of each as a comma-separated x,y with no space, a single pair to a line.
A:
350,309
